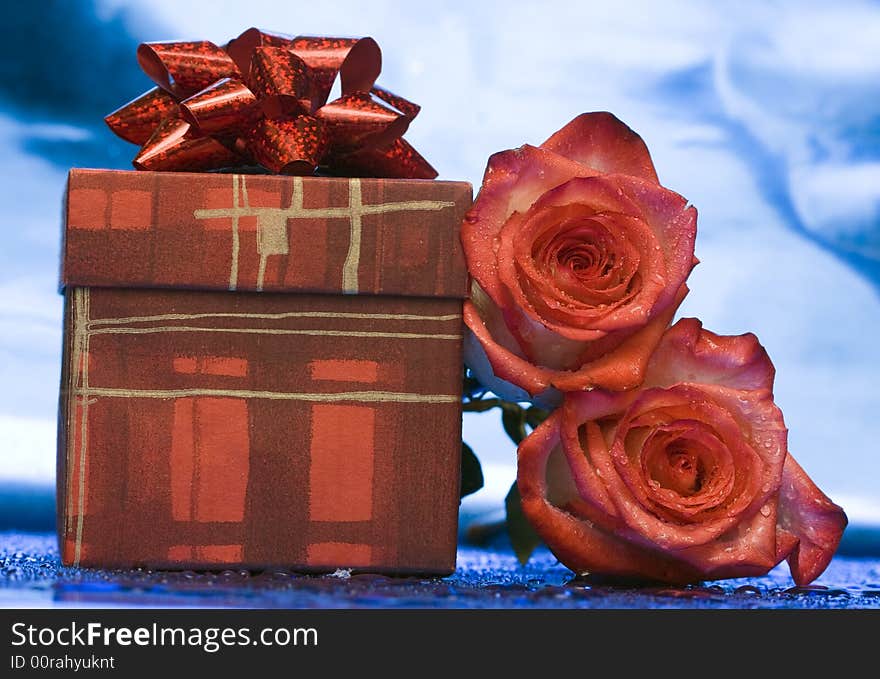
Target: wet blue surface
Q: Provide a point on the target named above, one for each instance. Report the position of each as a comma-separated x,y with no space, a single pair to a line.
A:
486,578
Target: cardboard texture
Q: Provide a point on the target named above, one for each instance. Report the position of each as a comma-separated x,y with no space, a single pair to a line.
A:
261,371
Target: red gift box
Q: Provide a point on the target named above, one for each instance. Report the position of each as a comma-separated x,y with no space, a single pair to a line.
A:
261,371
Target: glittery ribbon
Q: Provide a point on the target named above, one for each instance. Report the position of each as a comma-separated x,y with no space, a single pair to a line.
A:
262,100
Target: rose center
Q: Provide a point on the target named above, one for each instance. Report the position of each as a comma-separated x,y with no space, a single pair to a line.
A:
679,470
586,261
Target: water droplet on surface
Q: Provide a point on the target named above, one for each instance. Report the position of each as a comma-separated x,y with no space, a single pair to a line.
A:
747,590
809,590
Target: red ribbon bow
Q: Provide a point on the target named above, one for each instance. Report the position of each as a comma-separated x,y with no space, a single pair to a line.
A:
262,99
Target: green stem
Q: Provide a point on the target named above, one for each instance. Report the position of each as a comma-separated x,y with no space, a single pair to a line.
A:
482,405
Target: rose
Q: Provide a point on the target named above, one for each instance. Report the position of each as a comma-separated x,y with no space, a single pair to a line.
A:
578,260
687,478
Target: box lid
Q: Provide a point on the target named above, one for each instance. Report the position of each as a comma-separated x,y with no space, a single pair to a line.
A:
216,231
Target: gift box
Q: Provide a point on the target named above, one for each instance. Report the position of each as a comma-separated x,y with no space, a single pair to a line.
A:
261,371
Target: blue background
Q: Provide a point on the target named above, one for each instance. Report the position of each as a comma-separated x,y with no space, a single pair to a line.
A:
765,116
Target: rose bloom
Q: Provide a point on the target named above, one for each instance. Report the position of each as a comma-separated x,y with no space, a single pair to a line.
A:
688,478
578,260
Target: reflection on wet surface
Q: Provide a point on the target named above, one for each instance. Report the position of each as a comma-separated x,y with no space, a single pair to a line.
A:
33,577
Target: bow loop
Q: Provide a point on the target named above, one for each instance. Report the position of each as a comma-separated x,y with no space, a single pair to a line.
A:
262,98
241,49
357,62
282,81
176,145
223,107
356,119
184,68
136,121
406,107
288,146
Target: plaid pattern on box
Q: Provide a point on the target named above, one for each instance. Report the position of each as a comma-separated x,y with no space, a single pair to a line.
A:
262,232
208,428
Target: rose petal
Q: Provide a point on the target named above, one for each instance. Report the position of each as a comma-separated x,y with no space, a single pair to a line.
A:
601,141
576,317
588,201
761,422
505,364
668,236
810,515
581,469
649,448
673,220
512,182
749,549
631,494
621,368
544,346
476,359
580,544
584,406
690,353
494,319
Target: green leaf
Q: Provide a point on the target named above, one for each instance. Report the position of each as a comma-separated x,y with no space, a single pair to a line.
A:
471,471
513,418
522,536
480,405
471,387
535,416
